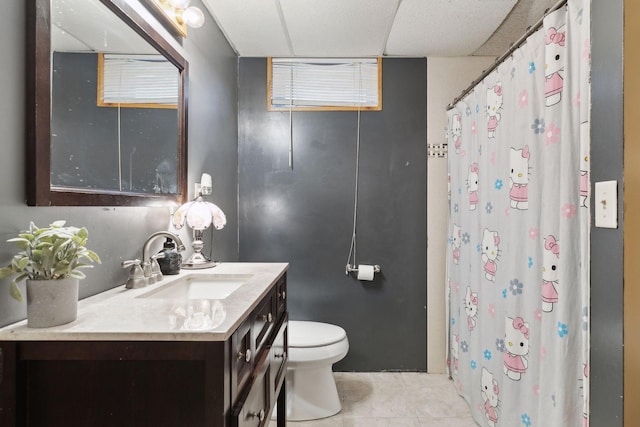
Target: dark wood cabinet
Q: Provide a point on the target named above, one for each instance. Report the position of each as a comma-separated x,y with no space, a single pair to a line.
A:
141,383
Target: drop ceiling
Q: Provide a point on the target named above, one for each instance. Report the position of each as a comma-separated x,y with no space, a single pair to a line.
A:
356,28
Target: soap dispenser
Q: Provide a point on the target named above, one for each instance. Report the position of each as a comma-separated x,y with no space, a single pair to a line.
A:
169,258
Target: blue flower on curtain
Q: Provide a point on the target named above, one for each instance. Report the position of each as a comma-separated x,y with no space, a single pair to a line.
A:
516,287
530,262
526,420
499,184
456,208
487,354
468,111
562,330
473,364
513,72
532,67
466,238
500,345
504,293
538,126
488,208
478,248
453,321
464,346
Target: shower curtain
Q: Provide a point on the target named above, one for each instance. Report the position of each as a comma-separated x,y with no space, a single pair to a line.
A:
518,258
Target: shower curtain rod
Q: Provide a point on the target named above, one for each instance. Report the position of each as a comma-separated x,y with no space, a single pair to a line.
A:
532,29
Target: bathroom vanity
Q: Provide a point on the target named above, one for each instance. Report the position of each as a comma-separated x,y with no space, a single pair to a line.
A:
203,348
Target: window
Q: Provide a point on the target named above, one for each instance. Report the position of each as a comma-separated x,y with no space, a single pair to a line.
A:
324,84
139,81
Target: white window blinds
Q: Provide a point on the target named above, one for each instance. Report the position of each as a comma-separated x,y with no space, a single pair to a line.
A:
139,79
341,84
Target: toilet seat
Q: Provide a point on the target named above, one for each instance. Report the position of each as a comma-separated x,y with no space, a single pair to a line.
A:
305,334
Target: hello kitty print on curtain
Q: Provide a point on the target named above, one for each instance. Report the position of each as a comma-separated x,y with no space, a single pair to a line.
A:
517,268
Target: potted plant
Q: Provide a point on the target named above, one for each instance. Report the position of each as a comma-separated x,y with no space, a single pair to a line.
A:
50,258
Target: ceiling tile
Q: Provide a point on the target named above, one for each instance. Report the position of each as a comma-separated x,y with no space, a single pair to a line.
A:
338,27
445,27
253,27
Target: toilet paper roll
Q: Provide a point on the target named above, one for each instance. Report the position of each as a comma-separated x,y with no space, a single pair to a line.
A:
365,272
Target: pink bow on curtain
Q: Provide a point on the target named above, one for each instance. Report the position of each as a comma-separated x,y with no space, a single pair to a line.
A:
553,36
551,244
498,90
525,152
518,323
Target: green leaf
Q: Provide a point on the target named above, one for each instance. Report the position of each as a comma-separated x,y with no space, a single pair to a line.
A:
6,272
22,263
93,256
14,291
77,274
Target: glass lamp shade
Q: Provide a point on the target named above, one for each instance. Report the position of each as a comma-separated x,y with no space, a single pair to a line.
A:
199,215
193,17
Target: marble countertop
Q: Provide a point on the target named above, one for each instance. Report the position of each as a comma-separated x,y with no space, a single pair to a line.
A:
121,314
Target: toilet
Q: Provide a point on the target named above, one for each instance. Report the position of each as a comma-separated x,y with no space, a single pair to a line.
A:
311,389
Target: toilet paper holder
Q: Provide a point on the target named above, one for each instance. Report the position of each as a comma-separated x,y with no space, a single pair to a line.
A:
354,269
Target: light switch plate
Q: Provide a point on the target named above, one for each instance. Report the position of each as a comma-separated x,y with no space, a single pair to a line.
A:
606,204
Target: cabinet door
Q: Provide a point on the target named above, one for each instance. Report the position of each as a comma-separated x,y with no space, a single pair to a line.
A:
278,357
281,295
264,317
242,358
253,410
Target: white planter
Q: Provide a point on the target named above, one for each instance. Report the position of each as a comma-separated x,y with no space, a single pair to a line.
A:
51,302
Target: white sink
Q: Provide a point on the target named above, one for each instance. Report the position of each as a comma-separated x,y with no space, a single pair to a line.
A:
199,286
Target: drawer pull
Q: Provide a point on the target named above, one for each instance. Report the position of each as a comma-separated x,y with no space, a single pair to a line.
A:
283,355
267,317
283,295
246,355
258,415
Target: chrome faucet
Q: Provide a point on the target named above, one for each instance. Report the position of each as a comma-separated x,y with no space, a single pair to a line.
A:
147,271
150,265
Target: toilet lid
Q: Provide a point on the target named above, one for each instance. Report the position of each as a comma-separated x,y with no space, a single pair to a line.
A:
314,334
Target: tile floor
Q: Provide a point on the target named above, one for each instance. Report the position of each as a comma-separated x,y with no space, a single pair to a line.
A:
394,399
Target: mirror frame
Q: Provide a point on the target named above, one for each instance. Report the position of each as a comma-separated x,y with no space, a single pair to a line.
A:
40,192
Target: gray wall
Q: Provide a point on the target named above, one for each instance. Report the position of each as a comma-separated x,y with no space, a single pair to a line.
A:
304,215
607,368
118,233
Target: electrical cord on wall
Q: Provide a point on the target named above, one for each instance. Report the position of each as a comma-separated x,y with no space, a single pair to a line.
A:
353,249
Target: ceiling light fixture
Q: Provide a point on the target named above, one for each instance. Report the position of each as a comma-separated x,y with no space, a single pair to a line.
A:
179,14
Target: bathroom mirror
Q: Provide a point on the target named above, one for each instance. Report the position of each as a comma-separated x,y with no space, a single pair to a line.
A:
88,145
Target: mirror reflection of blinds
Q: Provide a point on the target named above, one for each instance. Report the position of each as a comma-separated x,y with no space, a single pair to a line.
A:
325,83
139,79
